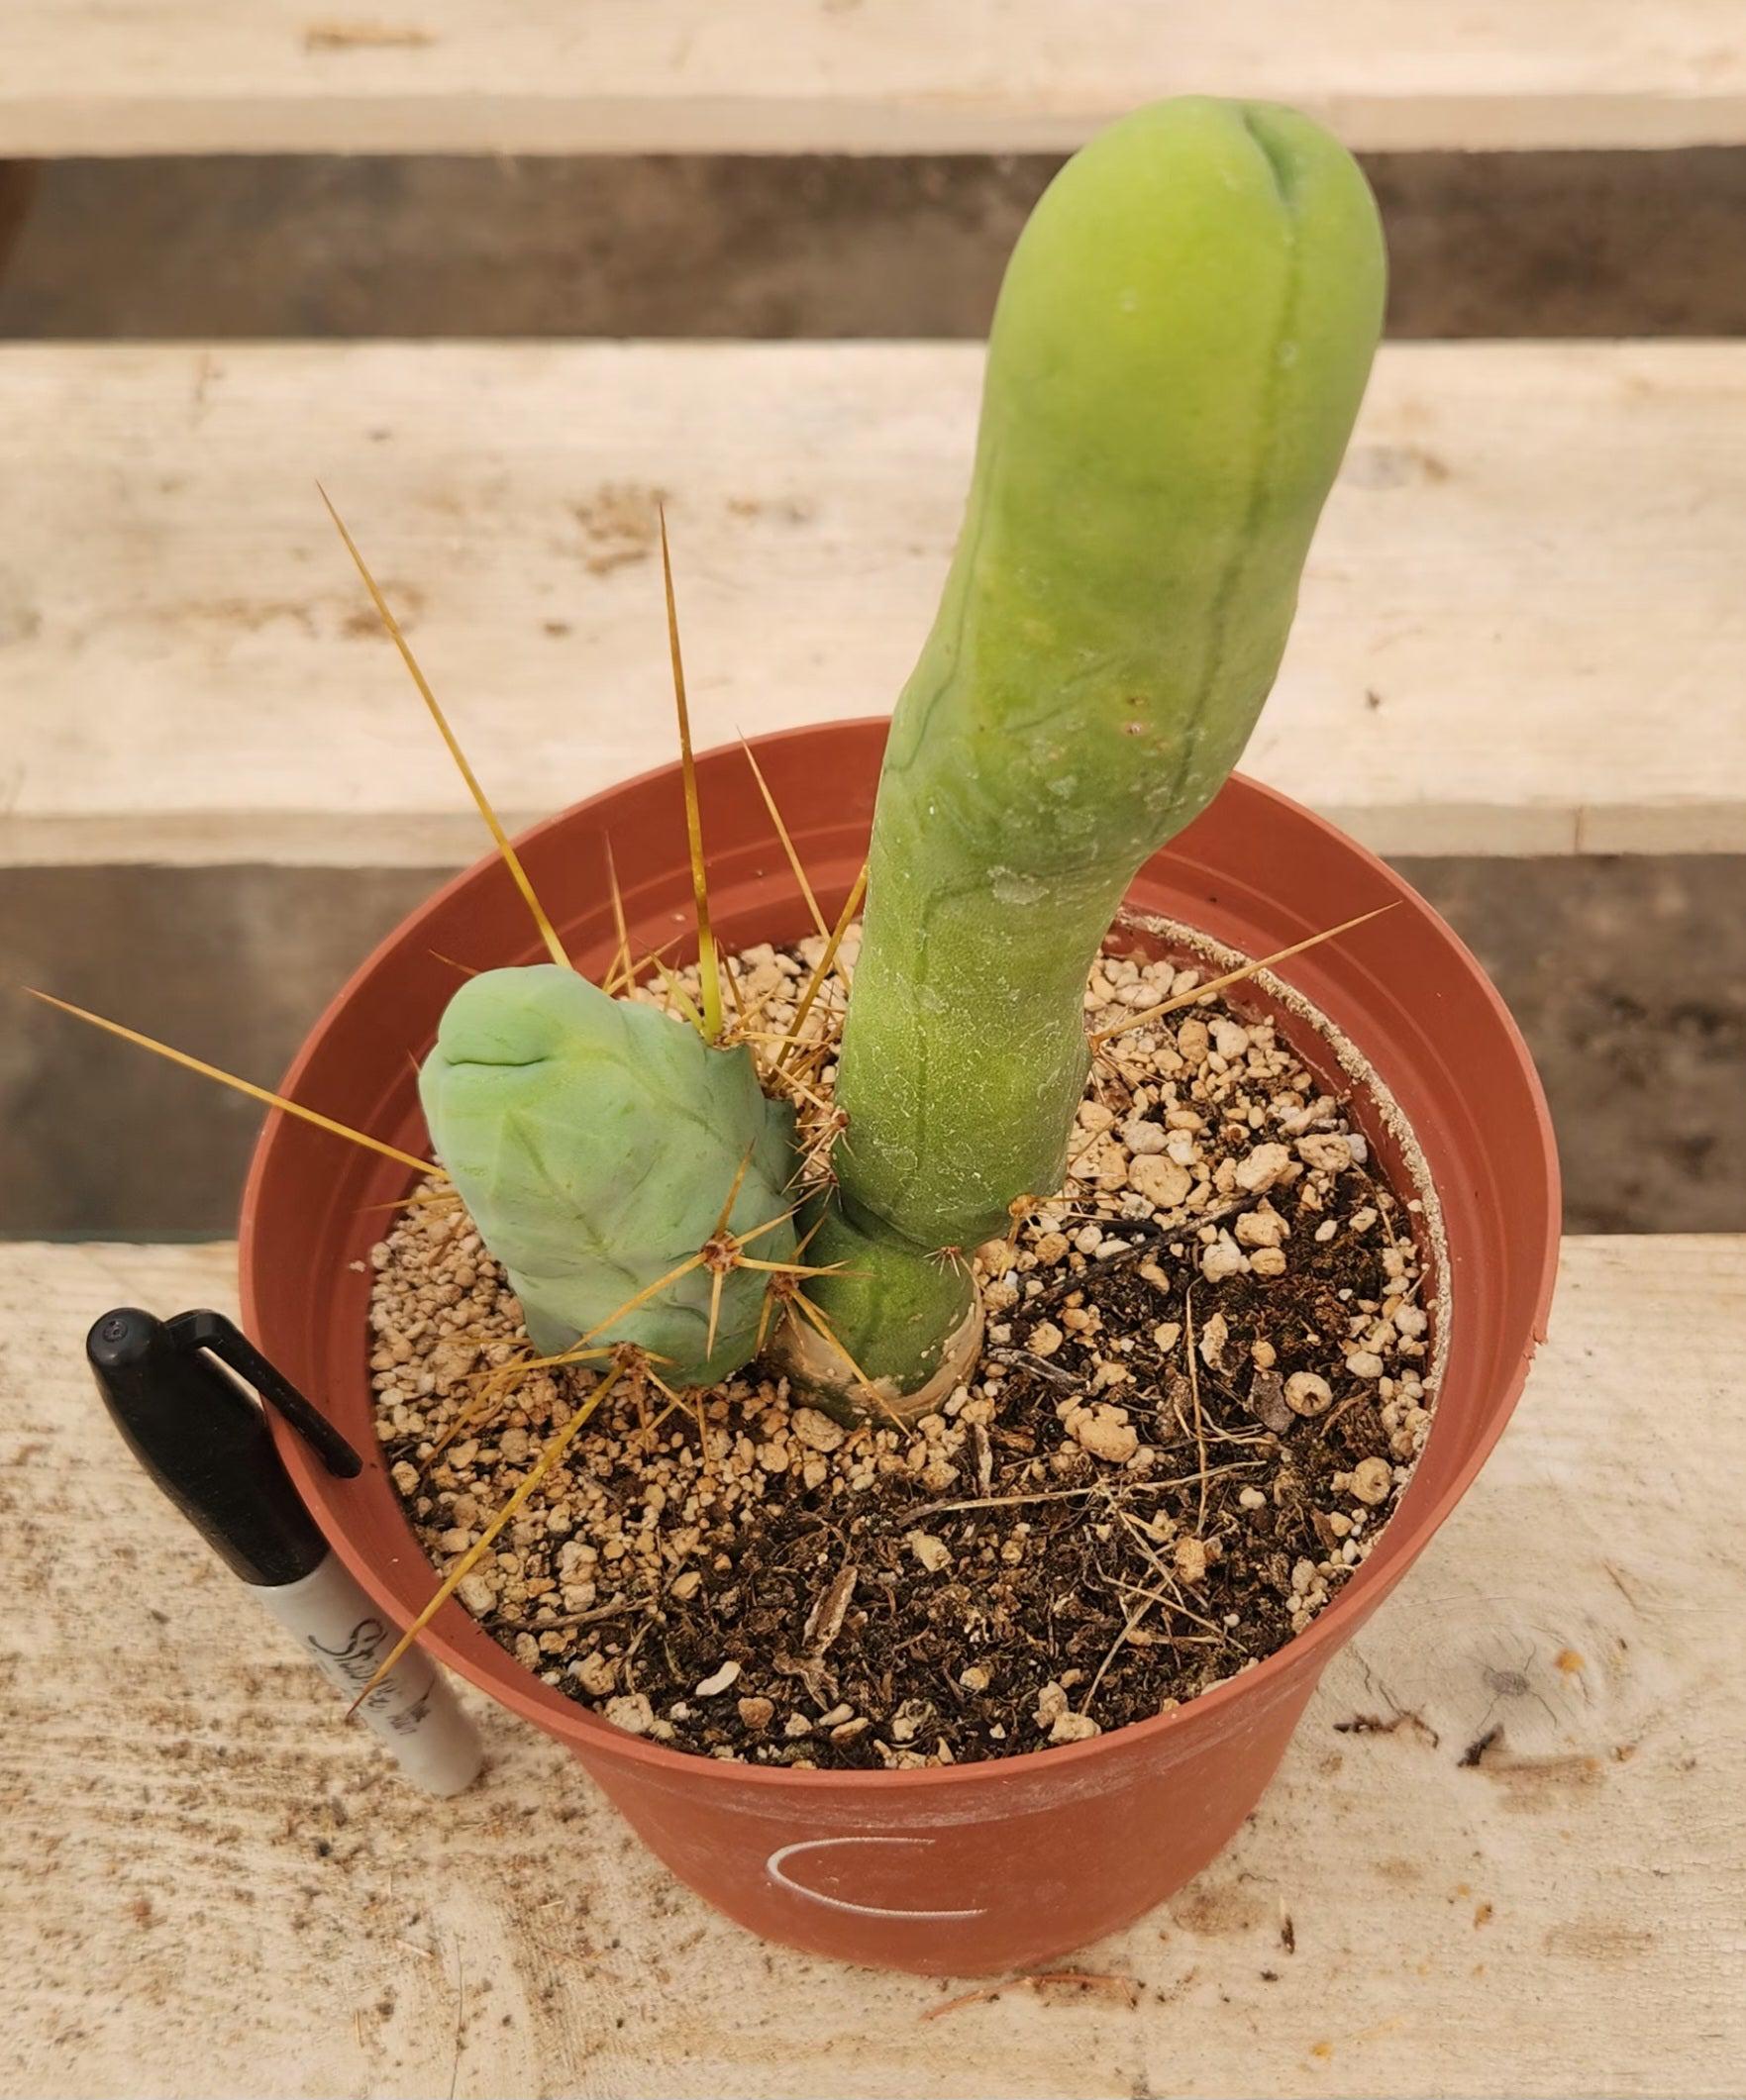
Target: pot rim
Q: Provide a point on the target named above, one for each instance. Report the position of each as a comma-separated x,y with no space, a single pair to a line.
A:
509,1683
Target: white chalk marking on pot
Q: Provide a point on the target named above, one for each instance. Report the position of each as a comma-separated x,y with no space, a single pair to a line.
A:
776,1866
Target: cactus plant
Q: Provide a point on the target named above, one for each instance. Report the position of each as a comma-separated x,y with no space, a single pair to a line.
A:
1180,348
598,1147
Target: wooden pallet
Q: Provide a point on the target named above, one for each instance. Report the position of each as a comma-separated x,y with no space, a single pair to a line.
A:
1523,628
1523,633
214,1886
887,77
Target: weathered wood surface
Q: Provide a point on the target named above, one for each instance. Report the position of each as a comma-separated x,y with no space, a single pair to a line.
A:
130,76
210,1885
1523,628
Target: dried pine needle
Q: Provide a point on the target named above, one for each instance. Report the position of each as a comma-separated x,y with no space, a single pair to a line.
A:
706,967
783,833
622,970
242,1087
511,859
799,1301
554,1450
679,997
815,984
1235,976
733,984
717,1281
800,1268
618,986
732,1194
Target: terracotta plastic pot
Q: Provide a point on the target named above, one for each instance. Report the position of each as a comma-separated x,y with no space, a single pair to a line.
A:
973,1867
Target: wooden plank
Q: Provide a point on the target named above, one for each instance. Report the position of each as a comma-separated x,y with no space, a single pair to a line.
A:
1522,630
94,76
209,1885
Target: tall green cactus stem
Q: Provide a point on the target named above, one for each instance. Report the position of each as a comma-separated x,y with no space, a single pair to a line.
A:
1180,348
595,1143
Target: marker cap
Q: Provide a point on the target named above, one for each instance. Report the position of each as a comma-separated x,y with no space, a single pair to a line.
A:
205,1442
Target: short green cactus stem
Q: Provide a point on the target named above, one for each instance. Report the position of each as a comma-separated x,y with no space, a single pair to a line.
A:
595,1142
1178,353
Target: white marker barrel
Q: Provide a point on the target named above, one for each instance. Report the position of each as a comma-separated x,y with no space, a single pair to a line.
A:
413,1710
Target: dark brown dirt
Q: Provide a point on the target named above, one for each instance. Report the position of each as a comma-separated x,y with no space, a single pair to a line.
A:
1050,1566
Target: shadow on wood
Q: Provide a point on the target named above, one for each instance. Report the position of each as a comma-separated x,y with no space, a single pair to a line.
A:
18,187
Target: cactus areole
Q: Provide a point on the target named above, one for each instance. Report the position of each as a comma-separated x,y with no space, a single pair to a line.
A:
1180,348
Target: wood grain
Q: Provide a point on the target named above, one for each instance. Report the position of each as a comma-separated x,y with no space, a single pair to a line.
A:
178,76
209,1885
1521,631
